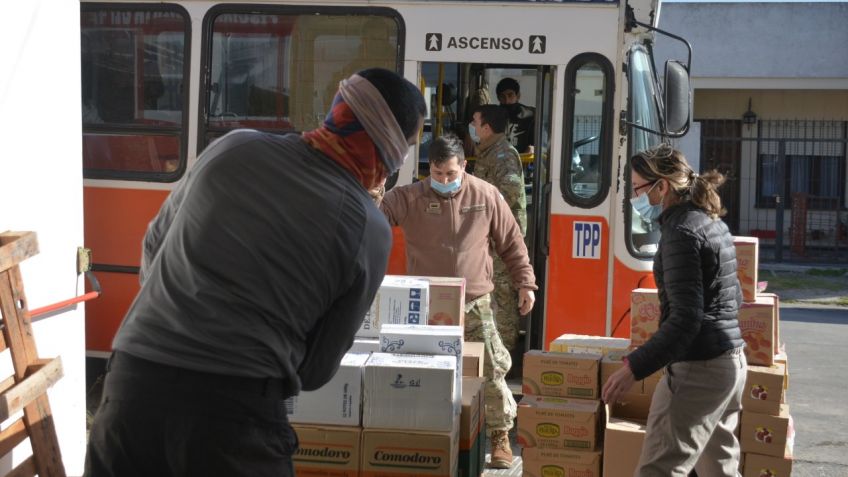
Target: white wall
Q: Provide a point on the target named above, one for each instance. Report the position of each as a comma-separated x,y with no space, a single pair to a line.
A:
40,165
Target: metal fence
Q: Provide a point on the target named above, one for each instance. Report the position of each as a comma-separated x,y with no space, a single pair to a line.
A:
786,184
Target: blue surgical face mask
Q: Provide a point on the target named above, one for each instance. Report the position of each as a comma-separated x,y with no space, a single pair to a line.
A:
643,205
446,189
473,132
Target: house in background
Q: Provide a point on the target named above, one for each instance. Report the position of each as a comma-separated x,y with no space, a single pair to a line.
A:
770,82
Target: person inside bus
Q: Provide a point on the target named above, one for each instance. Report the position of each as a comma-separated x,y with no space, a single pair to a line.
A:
695,408
522,118
255,276
498,164
449,221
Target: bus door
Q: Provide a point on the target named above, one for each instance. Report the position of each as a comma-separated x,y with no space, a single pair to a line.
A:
452,91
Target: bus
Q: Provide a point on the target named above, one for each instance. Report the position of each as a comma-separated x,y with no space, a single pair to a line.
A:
161,80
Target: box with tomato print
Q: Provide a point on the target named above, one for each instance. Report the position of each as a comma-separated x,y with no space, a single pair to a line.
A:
644,315
759,326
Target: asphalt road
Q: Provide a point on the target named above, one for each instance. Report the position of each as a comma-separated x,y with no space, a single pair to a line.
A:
816,339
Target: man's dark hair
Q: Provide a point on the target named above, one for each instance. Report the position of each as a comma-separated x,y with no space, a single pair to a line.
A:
505,84
493,115
404,98
444,148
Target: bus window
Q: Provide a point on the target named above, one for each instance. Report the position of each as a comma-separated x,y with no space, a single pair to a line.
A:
586,156
278,71
133,109
644,111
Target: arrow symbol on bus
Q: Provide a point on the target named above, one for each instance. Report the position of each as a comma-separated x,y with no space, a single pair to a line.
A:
537,44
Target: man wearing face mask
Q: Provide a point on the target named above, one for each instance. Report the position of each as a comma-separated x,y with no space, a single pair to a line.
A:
498,164
522,118
449,221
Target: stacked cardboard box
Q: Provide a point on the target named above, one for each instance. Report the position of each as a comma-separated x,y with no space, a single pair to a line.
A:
399,300
559,415
472,428
570,343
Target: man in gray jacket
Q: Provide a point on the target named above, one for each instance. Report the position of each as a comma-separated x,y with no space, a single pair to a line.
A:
255,276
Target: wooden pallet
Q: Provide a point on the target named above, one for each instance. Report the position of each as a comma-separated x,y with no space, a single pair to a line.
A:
26,389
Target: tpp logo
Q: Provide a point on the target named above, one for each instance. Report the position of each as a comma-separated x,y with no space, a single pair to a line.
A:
587,240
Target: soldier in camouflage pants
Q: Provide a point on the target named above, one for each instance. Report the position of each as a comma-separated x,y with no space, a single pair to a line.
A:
480,326
499,164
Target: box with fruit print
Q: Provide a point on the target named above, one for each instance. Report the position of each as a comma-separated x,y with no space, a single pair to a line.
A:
764,389
644,315
765,434
757,465
561,374
747,261
758,323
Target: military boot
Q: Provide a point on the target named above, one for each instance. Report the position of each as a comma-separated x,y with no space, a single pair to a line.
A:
501,451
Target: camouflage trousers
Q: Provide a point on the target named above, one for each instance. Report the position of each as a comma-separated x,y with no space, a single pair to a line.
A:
480,326
506,305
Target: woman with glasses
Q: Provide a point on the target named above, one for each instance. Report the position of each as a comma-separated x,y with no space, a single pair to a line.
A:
695,408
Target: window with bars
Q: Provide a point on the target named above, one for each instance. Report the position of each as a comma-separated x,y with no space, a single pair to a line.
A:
814,163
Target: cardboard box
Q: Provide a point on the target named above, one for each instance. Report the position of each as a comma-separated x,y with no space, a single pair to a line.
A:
758,324
764,389
472,358
365,345
339,402
409,391
765,434
632,406
622,447
747,263
472,429
327,451
569,343
447,301
399,300
424,339
538,462
757,465
776,345
612,362
561,374
558,423
783,359
392,453
644,315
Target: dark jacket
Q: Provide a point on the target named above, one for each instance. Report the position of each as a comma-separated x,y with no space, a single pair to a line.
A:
695,271
261,263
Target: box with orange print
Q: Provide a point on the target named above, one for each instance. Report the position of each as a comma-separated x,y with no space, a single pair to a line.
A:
759,326
561,374
558,423
747,262
644,315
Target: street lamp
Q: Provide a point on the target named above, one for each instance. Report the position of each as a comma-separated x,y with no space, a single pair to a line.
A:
749,117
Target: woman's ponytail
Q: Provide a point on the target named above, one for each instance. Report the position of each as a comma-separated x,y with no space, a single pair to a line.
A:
704,193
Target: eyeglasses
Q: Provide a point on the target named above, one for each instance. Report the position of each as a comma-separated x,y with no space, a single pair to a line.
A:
636,189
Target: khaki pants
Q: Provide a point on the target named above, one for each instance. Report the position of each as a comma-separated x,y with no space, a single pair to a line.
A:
693,418
480,326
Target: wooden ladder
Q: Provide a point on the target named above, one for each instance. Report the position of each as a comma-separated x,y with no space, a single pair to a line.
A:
27,388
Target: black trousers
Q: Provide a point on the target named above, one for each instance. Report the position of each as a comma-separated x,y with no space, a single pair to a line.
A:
157,420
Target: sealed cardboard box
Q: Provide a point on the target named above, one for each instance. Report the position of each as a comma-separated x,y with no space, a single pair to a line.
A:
765,434
339,402
776,344
747,263
393,453
558,423
757,321
409,391
757,465
569,343
472,432
644,315
399,300
324,451
764,389
538,462
561,374
472,359
423,339
783,359
623,441
447,301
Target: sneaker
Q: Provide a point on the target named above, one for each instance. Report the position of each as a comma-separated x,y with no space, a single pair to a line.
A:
501,451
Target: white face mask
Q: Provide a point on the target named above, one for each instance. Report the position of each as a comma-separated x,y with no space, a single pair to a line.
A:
473,132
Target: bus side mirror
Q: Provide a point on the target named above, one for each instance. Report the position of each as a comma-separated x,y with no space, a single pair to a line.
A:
678,99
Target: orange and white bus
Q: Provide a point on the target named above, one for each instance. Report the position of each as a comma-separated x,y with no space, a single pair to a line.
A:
160,80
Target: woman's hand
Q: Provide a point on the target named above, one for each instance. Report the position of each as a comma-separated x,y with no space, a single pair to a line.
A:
619,383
